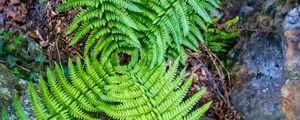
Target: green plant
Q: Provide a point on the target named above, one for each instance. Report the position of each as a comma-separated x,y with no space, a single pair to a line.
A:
150,31
159,26
10,45
4,112
17,107
9,42
19,110
138,94
220,40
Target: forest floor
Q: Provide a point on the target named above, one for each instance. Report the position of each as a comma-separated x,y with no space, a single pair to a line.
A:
47,26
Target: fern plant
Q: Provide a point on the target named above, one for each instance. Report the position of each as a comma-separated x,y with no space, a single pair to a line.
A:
18,110
138,94
219,40
4,115
162,26
150,31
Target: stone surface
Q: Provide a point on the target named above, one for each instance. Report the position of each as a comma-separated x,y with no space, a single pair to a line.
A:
259,59
11,86
291,100
29,50
292,35
291,90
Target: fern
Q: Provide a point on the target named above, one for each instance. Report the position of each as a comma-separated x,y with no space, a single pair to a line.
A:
219,40
136,94
4,112
158,25
17,107
151,31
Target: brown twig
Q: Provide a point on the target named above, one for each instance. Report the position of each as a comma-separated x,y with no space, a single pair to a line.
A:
23,68
257,28
214,83
19,66
242,29
214,59
58,53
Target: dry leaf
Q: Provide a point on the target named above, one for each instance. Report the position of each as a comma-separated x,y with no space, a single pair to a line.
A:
23,8
14,1
33,35
53,13
36,35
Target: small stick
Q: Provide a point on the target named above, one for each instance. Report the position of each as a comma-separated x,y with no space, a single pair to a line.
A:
58,53
19,66
23,68
214,58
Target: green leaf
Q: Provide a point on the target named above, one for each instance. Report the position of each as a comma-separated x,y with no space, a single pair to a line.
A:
4,113
19,110
215,3
17,39
30,76
17,72
5,35
11,61
232,21
40,58
10,48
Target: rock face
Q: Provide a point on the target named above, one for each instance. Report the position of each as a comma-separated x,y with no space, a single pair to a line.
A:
292,35
11,86
259,59
291,100
291,90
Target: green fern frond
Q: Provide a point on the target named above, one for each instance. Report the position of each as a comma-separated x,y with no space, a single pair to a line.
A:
76,3
163,23
137,94
18,109
4,113
195,115
63,101
199,9
150,31
38,107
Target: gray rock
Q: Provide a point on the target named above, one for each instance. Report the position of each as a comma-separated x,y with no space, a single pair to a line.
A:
291,90
29,50
9,83
11,86
291,99
260,74
292,34
259,58
292,20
